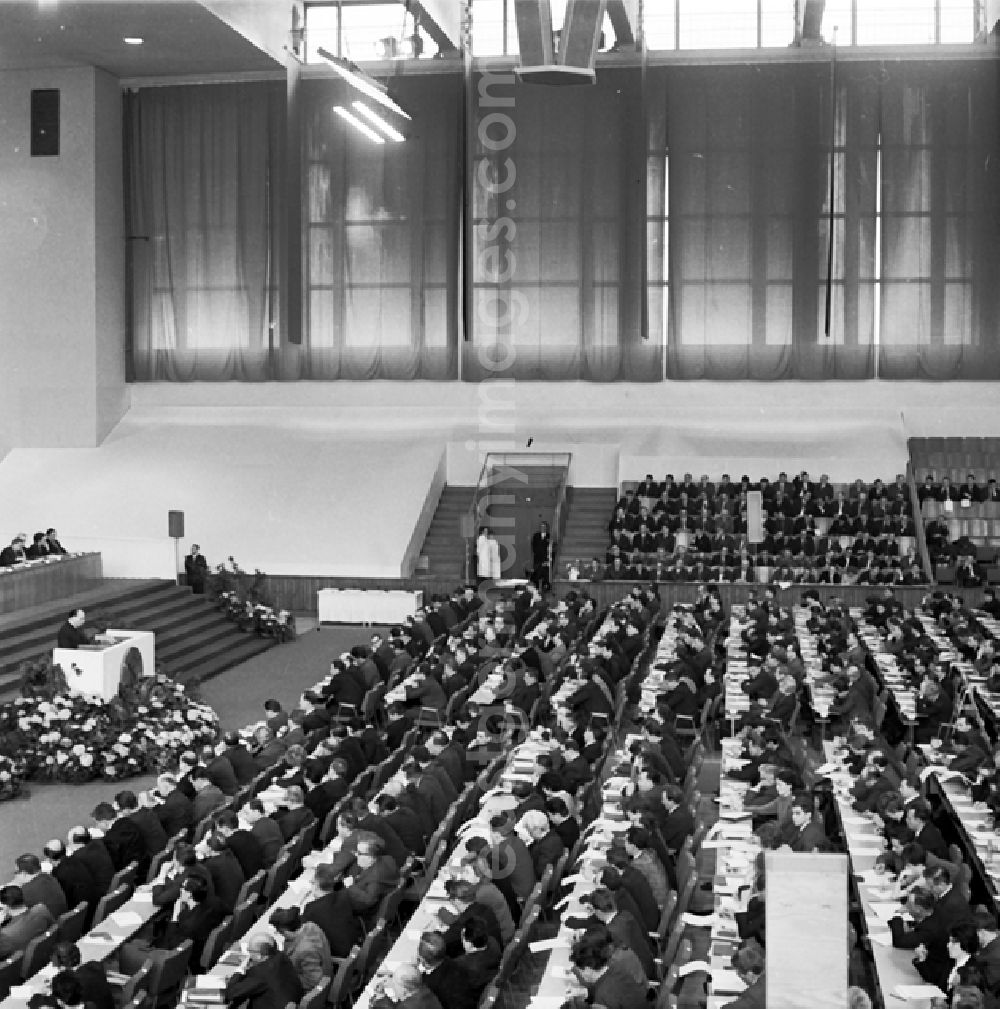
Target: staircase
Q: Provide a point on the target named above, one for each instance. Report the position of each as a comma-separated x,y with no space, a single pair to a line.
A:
589,510
442,555
193,639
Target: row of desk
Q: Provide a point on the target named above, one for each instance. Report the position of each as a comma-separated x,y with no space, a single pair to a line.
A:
558,981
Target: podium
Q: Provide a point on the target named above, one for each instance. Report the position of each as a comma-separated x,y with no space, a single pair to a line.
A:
96,671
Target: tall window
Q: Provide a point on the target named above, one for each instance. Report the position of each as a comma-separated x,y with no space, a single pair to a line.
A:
752,24
939,205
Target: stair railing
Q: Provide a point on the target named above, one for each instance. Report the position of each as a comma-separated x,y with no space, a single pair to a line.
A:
559,517
495,460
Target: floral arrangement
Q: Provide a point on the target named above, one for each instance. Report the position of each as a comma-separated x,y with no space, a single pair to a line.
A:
241,597
11,778
57,736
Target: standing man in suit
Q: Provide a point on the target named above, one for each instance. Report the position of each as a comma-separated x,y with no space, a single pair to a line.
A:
196,570
269,982
72,634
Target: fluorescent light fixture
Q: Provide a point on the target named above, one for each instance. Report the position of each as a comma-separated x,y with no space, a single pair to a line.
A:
360,80
358,125
378,122
132,40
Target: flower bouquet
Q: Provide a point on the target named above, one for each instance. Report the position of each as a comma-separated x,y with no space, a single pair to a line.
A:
65,737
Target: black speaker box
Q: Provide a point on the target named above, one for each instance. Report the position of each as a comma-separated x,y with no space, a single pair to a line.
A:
175,525
45,122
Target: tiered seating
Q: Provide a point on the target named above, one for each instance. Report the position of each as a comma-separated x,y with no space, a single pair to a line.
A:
815,532
960,506
267,786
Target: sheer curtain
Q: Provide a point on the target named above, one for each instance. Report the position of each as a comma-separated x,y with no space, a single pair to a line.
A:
555,281
747,159
940,221
382,240
204,182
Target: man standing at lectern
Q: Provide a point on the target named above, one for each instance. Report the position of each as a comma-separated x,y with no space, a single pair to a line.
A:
72,634
196,568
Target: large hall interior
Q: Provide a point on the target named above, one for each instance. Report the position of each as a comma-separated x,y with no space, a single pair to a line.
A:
499,503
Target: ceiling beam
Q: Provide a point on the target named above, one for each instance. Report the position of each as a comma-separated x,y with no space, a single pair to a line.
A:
441,20
267,25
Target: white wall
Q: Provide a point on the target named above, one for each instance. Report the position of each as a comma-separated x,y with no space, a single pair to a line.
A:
846,429
60,276
284,491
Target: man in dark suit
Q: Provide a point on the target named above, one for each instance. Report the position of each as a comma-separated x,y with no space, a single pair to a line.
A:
928,935
208,797
480,955
808,834
23,923
121,836
240,842
296,814
239,759
331,910
264,829
71,633
678,825
73,876
220,770
444,976
373,875
402,821
269,982
511,858
175,811
193,916
39,887
918,819
146,820
196,569
225,869
94,855
324,788
13,554
94,985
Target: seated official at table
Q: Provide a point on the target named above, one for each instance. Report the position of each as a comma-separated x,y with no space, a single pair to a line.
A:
72,634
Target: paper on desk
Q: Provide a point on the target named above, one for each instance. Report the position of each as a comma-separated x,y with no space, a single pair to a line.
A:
885,909
913,992
126,919
692,966
699,920
734,814
541,945
727,981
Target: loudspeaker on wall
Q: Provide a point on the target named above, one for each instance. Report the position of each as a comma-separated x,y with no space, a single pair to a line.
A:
45,122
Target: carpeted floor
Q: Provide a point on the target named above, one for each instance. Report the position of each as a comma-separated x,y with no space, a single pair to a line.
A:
283,672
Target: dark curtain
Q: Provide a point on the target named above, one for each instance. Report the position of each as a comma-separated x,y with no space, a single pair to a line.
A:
747,150
382,235
941,221
204,183
555,283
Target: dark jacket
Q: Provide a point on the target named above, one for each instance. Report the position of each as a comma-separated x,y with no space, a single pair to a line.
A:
333,913
270,984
